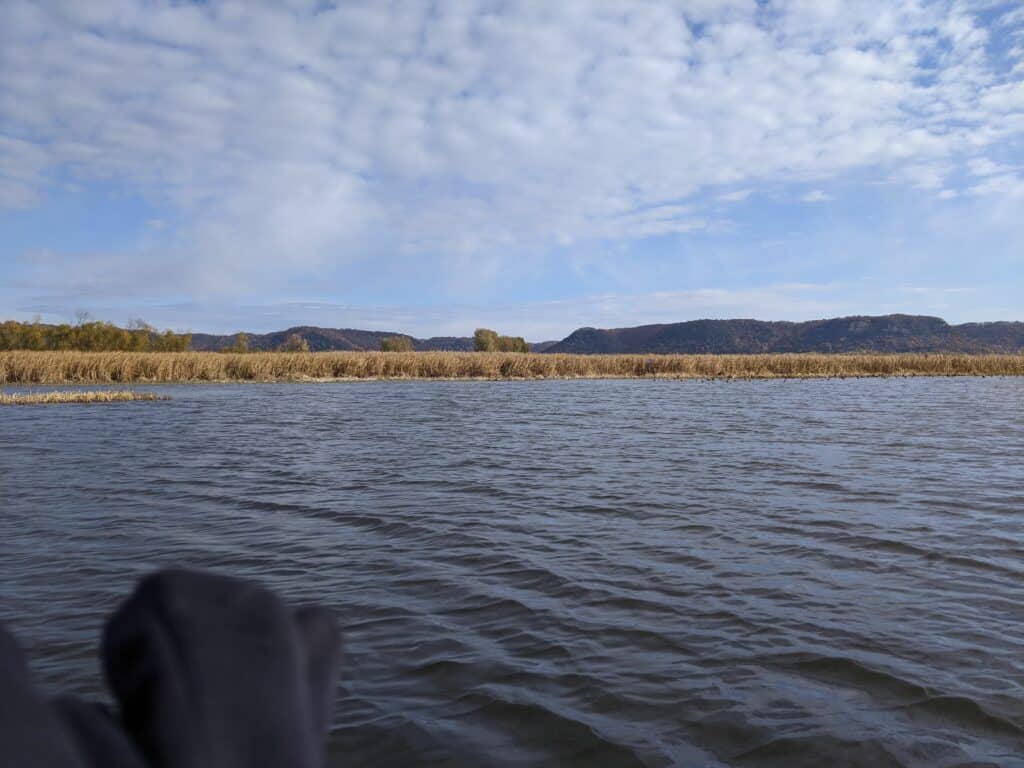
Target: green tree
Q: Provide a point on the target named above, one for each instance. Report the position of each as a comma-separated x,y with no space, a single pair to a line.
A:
512,344
396,344
168,341
485,340
90,336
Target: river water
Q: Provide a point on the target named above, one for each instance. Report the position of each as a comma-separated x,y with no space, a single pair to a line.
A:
592,573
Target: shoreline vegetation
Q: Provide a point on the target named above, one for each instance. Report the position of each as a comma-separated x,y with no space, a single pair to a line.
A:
72,367
52,398
91,335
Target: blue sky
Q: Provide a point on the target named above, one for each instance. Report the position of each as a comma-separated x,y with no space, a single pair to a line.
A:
430,167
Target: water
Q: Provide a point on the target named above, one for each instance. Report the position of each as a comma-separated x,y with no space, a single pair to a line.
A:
607,573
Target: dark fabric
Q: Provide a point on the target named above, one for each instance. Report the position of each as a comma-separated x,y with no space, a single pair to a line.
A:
31,732
209,672
97,735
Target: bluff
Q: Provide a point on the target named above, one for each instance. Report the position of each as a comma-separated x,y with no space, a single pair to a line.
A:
886,333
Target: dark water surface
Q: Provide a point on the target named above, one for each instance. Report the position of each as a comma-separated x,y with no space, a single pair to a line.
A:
593,573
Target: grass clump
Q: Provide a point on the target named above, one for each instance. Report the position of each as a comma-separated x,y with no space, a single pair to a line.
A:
105,396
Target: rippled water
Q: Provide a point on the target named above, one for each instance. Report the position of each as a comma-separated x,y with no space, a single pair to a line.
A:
594,573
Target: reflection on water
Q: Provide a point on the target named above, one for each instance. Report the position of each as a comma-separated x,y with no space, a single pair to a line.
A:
576,573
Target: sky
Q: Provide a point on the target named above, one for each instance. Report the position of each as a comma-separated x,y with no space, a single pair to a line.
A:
532,166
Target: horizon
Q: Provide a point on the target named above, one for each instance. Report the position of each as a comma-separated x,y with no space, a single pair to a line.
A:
468,334
532,169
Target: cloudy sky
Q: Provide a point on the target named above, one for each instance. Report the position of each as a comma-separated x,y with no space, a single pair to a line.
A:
534,166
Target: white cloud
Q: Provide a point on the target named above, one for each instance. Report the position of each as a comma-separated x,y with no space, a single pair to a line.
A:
1007,185
1012,17
736,196
294,135
927,176
817,196
982,166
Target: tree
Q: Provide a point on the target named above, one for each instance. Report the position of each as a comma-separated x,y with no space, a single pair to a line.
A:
512,344
168,341
295,343
241,344
396,344
90,336
485,340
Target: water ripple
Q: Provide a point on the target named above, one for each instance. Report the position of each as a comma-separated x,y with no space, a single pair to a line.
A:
602,573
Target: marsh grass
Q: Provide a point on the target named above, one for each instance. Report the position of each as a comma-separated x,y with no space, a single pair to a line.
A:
48,398
58,368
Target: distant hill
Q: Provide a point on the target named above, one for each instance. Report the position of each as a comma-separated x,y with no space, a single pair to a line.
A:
887,333
542,346
323,339
340,339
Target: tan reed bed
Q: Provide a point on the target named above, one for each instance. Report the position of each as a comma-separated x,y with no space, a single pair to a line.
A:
48,398
57,368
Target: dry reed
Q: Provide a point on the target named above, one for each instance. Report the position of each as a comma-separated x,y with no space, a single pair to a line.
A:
47,398
57,368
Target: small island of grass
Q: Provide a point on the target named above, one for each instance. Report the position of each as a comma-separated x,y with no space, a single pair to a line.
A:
102,396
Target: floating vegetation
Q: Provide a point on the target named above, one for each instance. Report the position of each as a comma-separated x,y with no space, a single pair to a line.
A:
61,368
105,396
